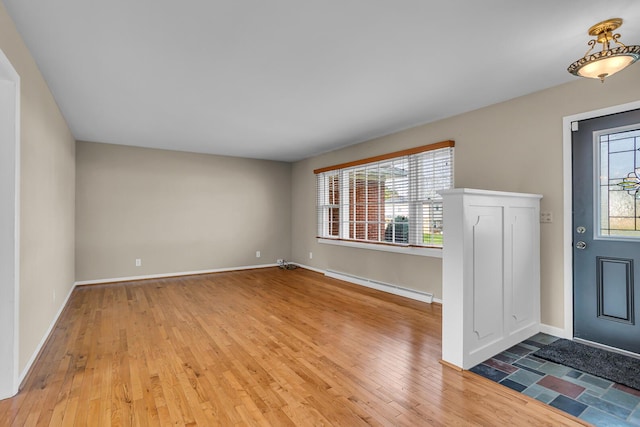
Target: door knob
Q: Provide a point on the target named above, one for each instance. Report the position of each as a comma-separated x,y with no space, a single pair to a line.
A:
581,245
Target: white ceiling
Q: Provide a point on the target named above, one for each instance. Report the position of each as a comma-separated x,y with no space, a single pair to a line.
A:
287,79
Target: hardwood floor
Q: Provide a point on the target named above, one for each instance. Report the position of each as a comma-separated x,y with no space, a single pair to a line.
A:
259,347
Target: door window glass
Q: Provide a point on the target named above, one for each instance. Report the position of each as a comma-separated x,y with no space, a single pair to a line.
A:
618,197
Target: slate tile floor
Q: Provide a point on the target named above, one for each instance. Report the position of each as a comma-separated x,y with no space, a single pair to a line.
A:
596,400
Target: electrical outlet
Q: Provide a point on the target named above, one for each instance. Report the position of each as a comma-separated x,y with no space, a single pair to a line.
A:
257,254
138,262
310,255
546,217
279,261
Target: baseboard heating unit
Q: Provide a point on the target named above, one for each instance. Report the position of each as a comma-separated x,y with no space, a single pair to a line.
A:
381,286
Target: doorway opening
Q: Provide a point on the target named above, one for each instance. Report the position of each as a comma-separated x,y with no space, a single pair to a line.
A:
9,226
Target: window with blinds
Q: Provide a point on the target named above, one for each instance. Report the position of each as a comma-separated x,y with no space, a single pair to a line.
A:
389,199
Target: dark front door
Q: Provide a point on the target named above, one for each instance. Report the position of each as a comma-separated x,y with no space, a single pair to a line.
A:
606,230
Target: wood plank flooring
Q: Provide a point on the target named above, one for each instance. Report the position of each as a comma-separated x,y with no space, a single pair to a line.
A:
264,347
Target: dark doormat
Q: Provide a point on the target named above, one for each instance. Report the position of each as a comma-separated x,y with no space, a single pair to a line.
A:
595,361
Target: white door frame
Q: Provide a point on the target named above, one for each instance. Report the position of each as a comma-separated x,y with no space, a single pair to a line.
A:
9,226
567,225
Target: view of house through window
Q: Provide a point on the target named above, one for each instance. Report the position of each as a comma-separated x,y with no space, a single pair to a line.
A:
389,199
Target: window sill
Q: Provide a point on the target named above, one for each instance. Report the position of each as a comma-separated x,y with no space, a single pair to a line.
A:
407,250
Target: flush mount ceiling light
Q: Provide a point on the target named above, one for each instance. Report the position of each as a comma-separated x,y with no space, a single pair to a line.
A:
609,60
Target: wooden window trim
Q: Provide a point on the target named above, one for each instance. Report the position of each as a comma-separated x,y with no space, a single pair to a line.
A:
407,152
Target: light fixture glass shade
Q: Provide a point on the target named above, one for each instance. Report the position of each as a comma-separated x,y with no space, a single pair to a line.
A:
598,68
609,60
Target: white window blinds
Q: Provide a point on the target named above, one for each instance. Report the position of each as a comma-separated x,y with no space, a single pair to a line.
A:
389,199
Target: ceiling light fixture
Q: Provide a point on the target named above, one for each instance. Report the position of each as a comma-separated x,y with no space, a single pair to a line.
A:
608,61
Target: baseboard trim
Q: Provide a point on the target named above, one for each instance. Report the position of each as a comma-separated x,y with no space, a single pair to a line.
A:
34,357
555,331
165,275
308,267
385,287
382,286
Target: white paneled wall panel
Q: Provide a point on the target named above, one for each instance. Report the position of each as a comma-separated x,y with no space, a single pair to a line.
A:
491,273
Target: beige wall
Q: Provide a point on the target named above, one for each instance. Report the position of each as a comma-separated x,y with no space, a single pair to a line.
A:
46,198
512,146
176,211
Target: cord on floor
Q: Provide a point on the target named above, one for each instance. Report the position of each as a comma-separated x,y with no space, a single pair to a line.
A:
287,265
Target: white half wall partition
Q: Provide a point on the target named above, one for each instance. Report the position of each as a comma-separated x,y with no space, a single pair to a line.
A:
490,272
9,225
